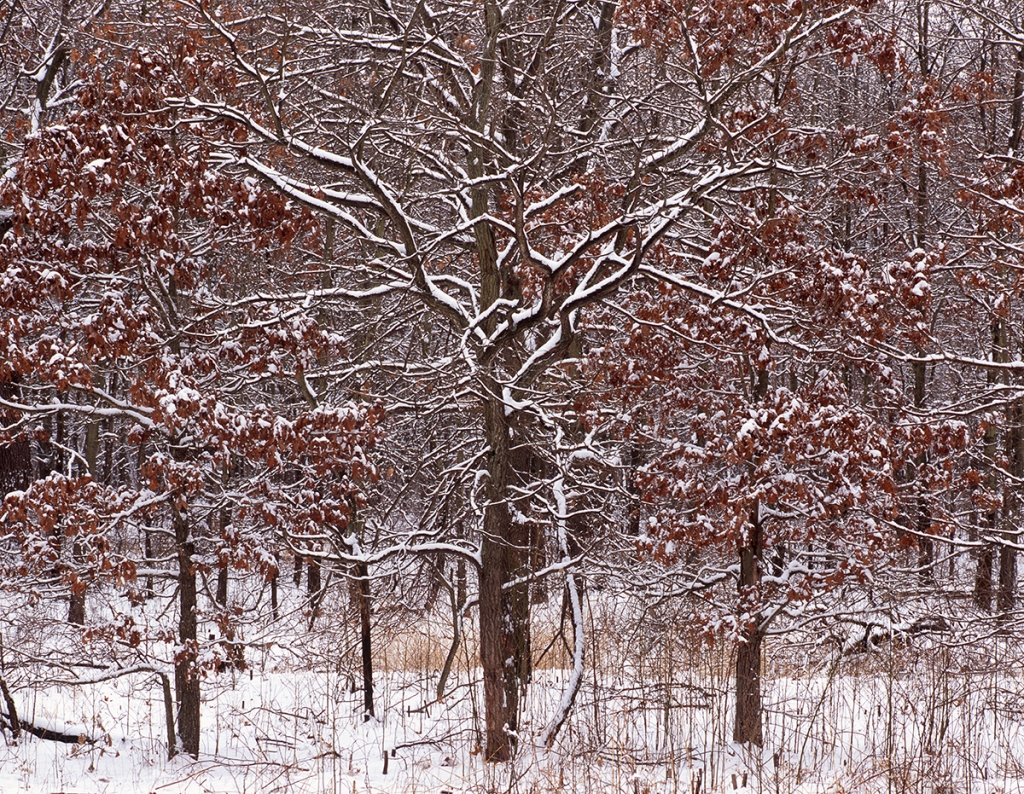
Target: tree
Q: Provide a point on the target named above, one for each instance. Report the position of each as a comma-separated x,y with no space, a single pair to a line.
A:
140,236
445,143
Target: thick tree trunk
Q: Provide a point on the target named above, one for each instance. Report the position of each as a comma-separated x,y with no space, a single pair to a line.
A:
504,612
747,728
186,677
498,713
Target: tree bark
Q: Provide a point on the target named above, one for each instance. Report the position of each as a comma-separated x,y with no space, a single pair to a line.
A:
925,544
274,599
1007,596
365,638
504,634
983,587
314,589
186,676
748,726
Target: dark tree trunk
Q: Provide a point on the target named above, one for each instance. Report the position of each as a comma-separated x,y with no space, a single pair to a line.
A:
365,638
504,612
273,592
748,728
983,588
538,560
460,580
925,543
1017,105
76,604
222,586
314,580
186,677
222,570
314,589
147,542
983,575
1007,597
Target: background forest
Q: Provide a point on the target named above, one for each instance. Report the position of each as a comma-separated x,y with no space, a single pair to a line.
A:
530,395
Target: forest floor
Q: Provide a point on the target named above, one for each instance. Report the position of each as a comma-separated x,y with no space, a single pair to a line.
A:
653,717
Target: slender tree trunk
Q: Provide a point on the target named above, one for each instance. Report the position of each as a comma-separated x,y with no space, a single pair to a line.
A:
186,677
314,579
314,589
1016,107
274,605
1007,597
76,602
925,543
983,586
983,574
365,637
748,727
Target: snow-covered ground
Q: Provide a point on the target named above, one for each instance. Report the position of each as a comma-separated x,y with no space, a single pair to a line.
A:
653,717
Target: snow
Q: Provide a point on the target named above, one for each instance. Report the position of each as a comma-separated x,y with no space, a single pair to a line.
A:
652,717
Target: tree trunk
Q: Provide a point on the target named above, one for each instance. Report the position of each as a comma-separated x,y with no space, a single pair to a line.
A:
983,589
222,570
1007,597
314,589
222,586
504,625
76,602
365,638
186,676
274,611
748,728
983,575
925,544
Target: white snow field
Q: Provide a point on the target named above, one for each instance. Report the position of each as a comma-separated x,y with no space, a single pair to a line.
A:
653,714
